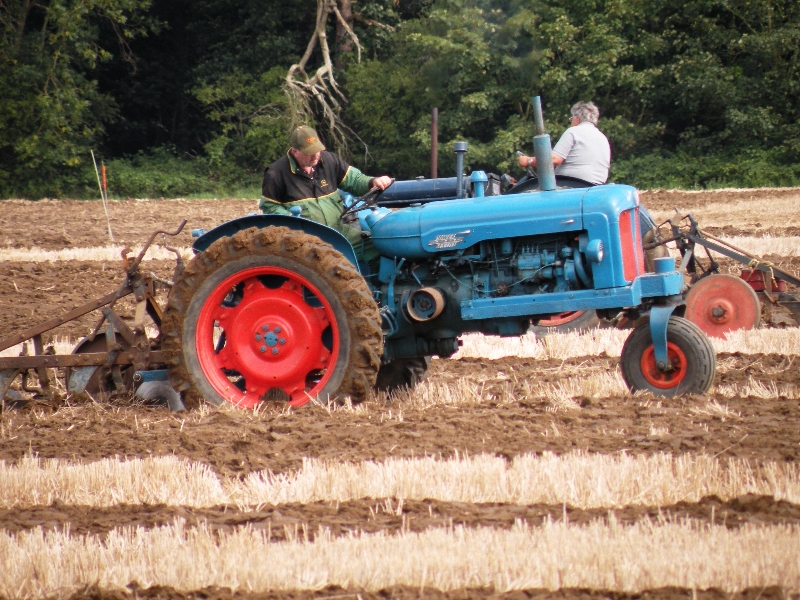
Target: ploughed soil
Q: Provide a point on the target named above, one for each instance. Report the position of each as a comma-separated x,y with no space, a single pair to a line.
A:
506,420
368,515
58,224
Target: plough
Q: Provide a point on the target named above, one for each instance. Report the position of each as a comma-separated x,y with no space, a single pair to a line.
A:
719,303
114,357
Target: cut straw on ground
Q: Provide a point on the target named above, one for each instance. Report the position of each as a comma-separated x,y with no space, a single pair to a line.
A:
608,342
599,556
595,342
578,479
740,213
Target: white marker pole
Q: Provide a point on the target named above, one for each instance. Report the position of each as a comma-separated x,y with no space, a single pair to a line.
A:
102,197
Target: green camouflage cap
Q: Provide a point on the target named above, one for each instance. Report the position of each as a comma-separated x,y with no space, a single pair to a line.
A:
305,140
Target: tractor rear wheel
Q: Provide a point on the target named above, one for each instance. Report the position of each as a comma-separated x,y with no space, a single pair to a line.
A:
690,354
402,372
576,320
271,314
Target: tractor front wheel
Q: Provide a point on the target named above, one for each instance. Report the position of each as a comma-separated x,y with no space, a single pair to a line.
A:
691,358
271,314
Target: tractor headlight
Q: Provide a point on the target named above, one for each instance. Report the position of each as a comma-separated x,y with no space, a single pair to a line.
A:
594,251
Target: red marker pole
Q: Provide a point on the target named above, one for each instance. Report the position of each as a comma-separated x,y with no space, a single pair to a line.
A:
104,193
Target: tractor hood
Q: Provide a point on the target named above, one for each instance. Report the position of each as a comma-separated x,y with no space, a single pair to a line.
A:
419,232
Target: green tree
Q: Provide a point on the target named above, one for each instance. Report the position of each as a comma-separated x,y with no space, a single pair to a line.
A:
254,107
253,117
51,112
712,82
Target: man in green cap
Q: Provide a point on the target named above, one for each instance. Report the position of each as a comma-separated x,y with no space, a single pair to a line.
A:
310,177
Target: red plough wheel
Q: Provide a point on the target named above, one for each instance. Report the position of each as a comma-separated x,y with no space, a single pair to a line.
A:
721,303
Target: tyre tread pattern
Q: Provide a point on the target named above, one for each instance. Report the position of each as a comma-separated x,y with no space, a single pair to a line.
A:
702,360
366,345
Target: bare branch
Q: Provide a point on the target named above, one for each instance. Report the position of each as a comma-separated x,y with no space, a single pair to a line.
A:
350,33
322,18
362,19
319,95
124,48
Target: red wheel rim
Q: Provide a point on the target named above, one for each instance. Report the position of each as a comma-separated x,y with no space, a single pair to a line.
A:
560,319
722,303
267,334
664,379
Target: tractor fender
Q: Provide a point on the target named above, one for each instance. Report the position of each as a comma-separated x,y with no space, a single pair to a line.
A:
323,232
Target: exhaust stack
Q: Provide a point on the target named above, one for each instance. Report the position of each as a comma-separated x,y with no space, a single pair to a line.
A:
542,150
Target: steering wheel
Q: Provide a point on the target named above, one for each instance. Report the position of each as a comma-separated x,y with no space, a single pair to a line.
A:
531,171
364,202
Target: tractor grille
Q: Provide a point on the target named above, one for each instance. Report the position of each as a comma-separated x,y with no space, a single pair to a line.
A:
631,242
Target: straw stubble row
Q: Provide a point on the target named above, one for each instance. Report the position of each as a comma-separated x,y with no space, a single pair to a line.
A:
579,479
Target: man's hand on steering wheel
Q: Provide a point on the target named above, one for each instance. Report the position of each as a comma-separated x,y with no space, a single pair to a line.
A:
382,182
528,163
379,184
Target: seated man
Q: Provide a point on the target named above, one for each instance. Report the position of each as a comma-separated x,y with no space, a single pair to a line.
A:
582,152
310,177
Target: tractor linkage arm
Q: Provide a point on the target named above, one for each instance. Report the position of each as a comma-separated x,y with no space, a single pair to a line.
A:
687,237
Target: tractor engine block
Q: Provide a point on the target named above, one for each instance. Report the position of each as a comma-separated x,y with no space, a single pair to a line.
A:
424,297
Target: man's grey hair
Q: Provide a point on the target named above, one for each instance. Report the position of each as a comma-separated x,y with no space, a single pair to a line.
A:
586,111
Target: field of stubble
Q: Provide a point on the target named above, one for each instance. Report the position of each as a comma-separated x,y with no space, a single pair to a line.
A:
519,468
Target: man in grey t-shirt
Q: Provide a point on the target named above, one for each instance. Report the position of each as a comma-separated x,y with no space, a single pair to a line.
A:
583,151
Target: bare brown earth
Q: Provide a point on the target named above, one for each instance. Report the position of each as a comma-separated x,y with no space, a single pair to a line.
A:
507,422
371,516
666,200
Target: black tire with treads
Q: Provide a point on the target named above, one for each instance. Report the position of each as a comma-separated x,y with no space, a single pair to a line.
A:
689,351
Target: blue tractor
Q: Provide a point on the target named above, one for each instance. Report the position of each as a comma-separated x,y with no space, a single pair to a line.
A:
277,308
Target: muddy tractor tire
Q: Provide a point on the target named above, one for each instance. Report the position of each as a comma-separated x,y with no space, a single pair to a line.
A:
271,314
402,373
689,352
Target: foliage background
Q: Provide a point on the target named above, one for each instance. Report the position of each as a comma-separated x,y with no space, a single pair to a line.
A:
184,97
